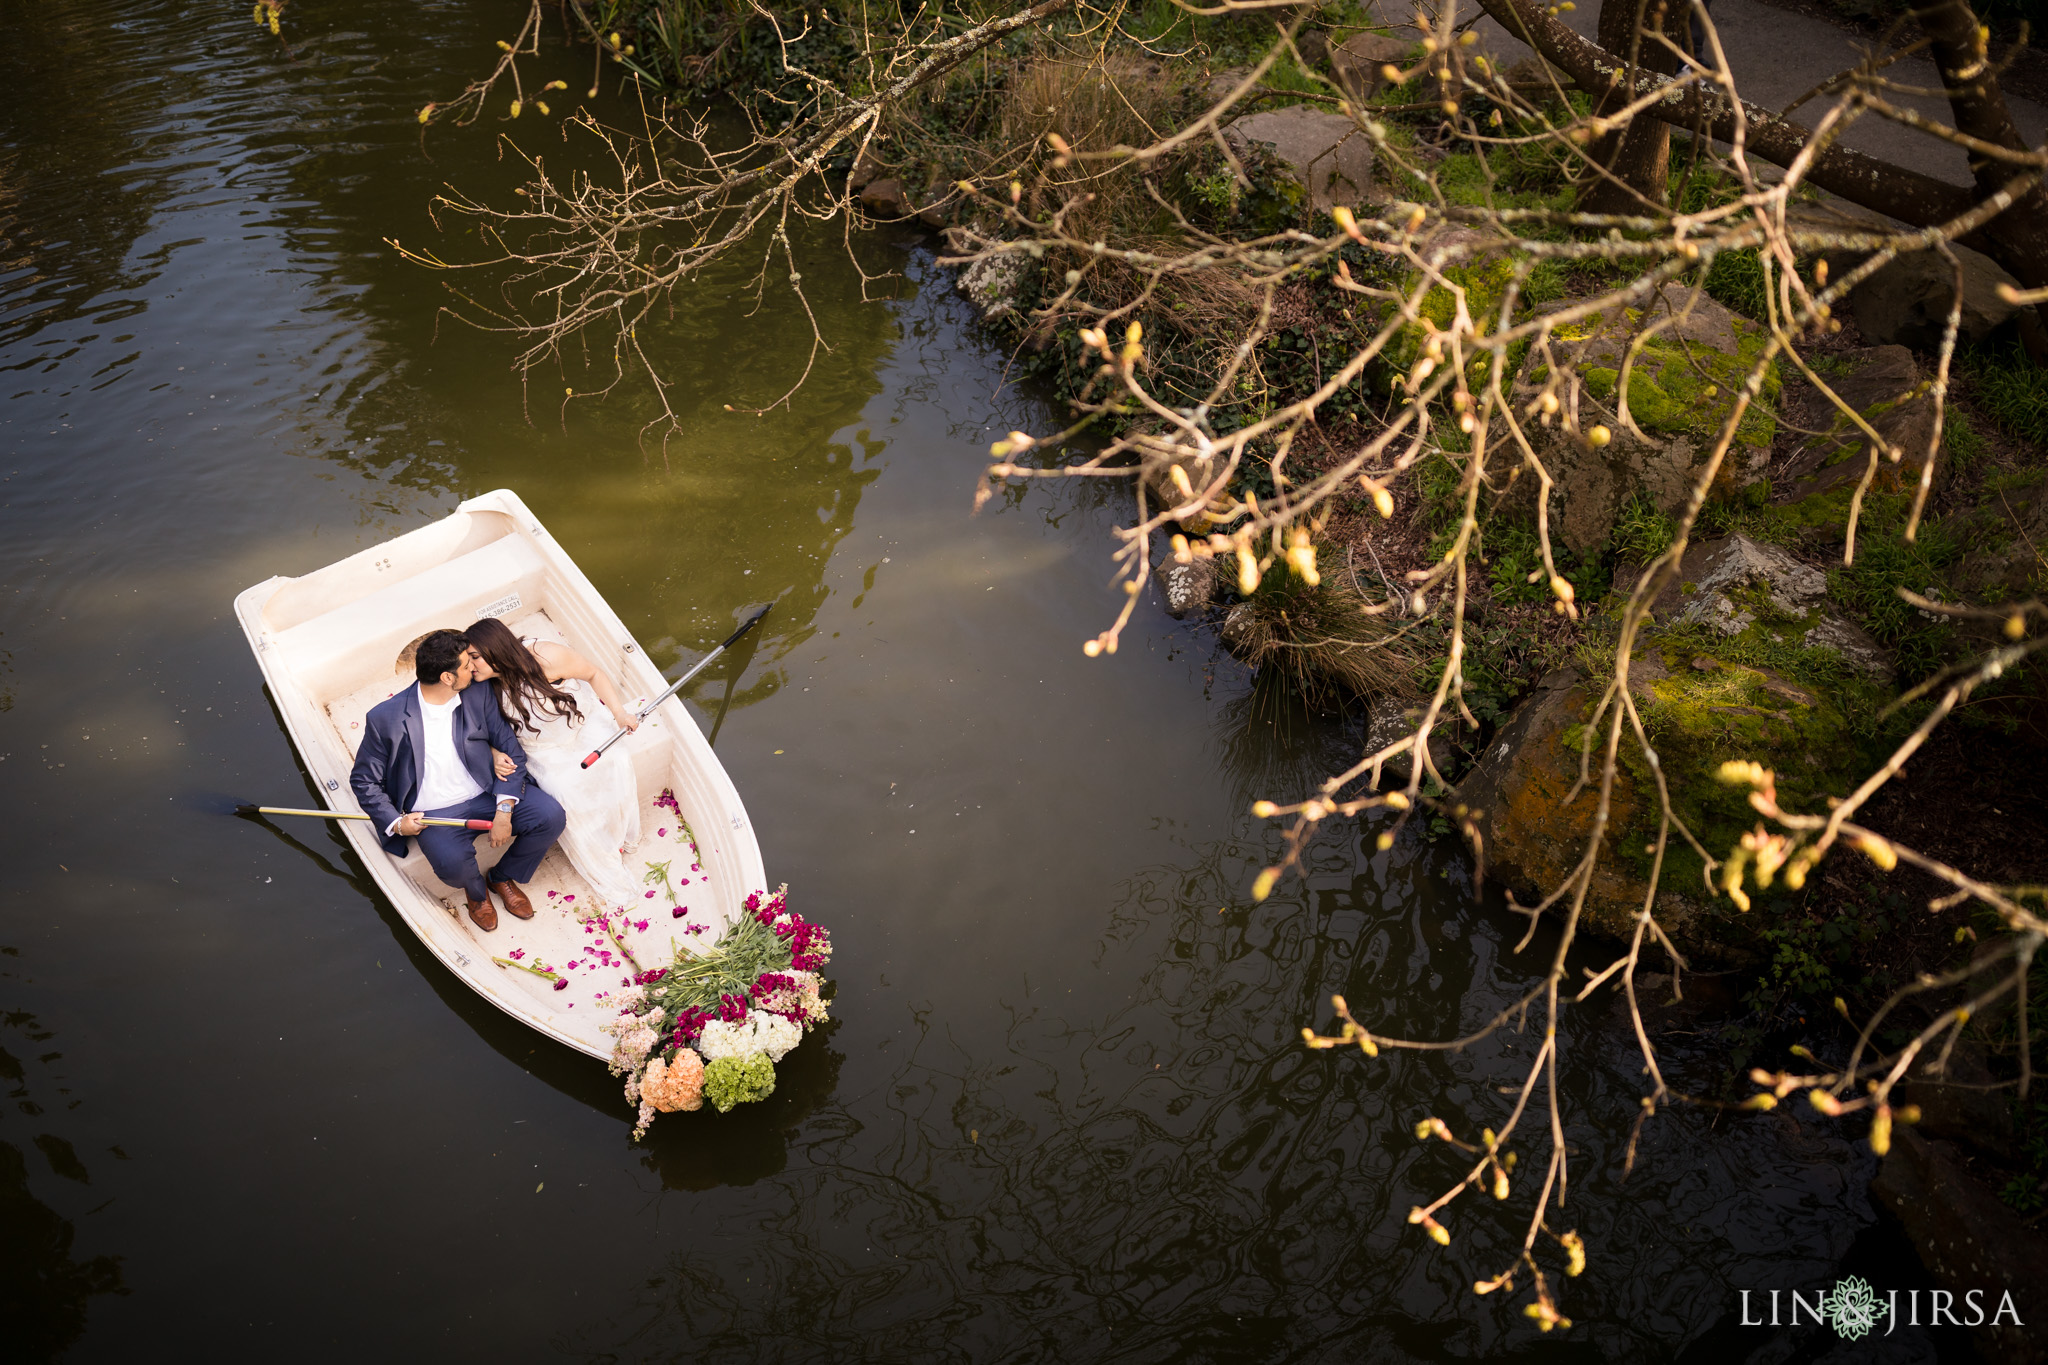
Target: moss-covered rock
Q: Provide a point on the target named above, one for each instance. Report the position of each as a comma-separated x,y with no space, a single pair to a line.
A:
1699,711
1482,276
1765,602
1683,384
1884,384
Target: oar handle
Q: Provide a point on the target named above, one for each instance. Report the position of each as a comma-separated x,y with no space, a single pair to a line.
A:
352,815
753,619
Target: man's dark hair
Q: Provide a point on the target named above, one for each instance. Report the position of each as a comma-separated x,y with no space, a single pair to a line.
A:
439,653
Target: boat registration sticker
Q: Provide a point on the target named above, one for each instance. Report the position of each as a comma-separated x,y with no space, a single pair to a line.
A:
508,603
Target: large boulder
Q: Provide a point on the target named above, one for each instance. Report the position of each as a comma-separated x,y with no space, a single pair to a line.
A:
1886,387
886,197
1356,62
1681,390
1701,711
1963,1104
1759,594
1969,1240
994,283
1529,836
1908,301
1326,153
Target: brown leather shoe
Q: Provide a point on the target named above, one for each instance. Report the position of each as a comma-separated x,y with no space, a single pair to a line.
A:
515,900
484,913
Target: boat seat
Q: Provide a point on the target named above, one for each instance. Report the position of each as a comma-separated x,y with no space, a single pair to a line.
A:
342,651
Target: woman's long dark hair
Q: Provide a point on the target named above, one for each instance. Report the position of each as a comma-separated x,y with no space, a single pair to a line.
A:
522,685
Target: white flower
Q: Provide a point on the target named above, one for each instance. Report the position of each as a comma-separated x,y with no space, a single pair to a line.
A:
758,1032
773,1034
721,1039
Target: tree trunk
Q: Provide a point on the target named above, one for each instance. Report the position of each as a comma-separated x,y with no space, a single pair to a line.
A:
2017,238
1638,156
1979,108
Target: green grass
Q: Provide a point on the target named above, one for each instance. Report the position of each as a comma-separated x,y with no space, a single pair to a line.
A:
1642,531
1885,562
2009,388
1966,449
1736,279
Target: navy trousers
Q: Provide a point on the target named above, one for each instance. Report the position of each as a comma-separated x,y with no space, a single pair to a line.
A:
537,822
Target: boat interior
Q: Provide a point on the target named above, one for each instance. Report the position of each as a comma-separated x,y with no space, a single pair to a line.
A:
334,638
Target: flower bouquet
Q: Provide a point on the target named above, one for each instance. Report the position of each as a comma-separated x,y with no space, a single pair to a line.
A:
712,1024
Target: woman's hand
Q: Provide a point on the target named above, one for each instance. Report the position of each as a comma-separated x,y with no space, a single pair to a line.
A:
502,764
626,719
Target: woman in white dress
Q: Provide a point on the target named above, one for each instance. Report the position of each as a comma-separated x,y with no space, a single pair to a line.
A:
548,692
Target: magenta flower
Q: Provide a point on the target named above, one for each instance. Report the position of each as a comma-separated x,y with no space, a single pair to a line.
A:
567,899
661,834
650,895
562,985
516,954
553,894
676,913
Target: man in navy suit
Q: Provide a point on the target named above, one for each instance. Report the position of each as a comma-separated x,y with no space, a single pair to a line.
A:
427,751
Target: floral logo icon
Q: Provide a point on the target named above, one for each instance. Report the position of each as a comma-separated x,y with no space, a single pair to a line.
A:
1852,1308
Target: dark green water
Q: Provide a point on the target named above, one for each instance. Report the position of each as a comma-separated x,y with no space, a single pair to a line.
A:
1063,1114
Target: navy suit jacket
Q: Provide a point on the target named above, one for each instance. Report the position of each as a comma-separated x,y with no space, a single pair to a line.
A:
393,755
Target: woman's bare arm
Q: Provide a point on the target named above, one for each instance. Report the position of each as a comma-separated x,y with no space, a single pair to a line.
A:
561,662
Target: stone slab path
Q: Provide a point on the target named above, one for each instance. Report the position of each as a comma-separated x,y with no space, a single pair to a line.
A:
1779,55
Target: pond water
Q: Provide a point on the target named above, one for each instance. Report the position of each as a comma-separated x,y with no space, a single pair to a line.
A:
1063,1113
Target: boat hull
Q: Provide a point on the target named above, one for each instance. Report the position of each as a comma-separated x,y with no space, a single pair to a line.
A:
327,644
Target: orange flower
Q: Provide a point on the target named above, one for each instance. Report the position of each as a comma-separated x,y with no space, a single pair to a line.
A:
675,1084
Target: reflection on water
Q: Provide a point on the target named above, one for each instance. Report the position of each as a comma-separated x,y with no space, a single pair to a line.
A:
1180,1179
45,1286
1063,1111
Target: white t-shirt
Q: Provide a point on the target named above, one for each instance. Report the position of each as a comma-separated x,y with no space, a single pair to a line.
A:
445,781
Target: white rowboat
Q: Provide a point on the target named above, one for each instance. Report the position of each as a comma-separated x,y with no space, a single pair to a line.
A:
328,643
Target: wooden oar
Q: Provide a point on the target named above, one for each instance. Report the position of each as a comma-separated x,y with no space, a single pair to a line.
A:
753,618
350,815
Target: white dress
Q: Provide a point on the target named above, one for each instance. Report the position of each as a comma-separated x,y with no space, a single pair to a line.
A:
602,802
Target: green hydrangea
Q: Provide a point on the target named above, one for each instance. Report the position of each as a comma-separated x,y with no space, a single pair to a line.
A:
738,1080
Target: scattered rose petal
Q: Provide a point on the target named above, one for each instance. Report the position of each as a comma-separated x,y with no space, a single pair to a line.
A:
676,913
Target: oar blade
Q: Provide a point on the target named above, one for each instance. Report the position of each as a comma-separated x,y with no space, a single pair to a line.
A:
753,618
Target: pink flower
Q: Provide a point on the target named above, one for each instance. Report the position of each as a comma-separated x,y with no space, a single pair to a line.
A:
562,985
676,913
567,899
650,895
661,834
640,927
516,954
553,894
